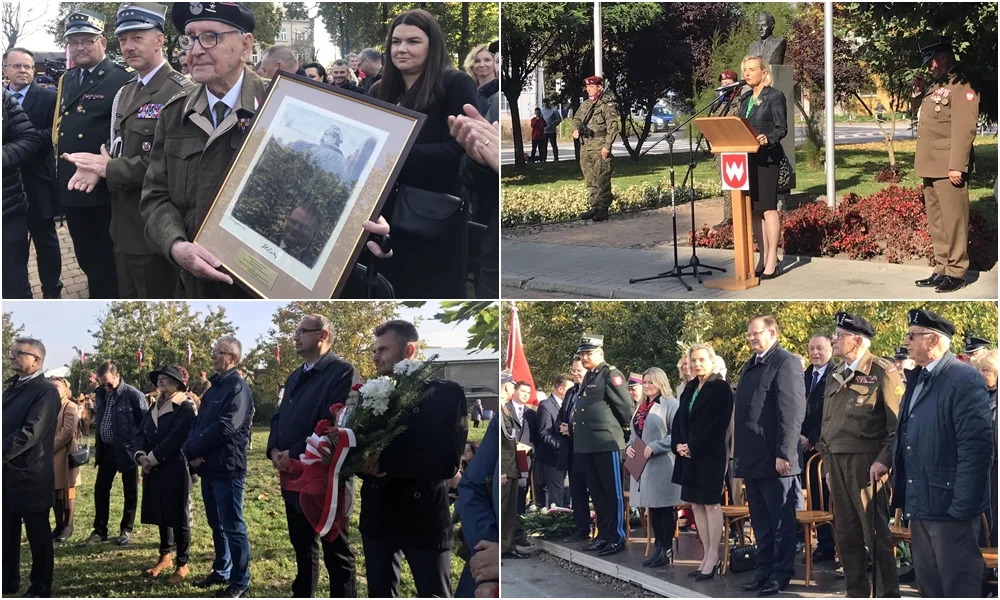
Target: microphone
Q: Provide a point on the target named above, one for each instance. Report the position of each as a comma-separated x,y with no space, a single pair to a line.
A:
732,86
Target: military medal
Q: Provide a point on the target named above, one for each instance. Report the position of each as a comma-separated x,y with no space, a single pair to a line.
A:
147,146
79,108
860,401
937,108
945,102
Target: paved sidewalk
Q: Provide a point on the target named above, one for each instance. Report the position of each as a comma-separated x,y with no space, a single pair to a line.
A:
74,281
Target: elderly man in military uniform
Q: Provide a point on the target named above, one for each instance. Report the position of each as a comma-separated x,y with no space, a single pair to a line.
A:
596,125
603,411
509,473
142,271
948,111
83,118
859,423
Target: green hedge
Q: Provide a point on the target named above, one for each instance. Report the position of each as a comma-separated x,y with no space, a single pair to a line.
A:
529,207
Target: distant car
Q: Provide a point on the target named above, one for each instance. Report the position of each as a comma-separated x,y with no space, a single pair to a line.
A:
662,118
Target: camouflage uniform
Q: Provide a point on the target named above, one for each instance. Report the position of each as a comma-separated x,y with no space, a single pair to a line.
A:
596,170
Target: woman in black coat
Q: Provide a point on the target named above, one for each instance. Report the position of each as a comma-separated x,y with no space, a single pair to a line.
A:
166,482
21,143
419,77
699,441
764,107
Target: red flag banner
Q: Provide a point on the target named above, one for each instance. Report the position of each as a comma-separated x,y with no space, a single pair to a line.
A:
83,357
277,352
138,355
516,361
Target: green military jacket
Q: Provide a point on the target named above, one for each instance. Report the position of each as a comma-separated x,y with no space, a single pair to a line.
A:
604,123
948,113
84,123
859,411
508,446
603,411
189,161
137,112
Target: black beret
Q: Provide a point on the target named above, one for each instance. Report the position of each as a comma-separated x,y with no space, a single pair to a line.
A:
590,341
973,343
855,324
902,353
929,320
233,13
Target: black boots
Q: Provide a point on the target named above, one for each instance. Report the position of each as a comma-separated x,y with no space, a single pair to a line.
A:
60,511
64,525
661,556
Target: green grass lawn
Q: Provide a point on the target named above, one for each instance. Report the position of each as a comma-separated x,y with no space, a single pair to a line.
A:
857,165
105,570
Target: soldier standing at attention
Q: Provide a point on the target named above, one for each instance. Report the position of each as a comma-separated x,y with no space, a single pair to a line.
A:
948,111
509,474
82,123
596,125
603,411
142,271
856,437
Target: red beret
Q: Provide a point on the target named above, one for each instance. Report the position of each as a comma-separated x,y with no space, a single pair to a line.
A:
729,74
593,80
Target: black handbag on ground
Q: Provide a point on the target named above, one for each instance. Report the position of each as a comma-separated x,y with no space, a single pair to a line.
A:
742,558
80,457
427,214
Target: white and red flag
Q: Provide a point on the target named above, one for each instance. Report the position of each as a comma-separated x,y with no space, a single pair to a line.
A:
189,353
516,361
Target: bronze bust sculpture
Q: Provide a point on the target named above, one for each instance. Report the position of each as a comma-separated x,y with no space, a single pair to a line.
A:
771,48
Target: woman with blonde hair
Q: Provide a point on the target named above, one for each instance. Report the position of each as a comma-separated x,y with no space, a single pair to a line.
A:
764,107
699,441
66,479
988,365
481,65
654,490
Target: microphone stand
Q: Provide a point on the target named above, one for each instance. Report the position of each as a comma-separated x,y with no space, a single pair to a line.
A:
678,270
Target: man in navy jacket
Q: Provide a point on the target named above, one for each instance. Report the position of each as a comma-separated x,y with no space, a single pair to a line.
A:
769,407
548,442
821,365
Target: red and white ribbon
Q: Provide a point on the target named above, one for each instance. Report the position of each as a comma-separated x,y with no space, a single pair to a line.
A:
319,485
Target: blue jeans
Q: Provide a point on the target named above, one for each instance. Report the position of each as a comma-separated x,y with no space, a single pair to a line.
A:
224,508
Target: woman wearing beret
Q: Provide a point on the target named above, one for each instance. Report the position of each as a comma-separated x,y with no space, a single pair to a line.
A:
166,482
764,107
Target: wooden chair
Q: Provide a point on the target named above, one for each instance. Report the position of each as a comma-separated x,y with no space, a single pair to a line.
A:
897,532
732,515
989,552
812,519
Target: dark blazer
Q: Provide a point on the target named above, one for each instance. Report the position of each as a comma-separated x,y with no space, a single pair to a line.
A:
478,502
549,439
166,487
39,175
769,407
130,408
703,429
409,506
814,403
30,415
565,457
769,117
525,430
944,445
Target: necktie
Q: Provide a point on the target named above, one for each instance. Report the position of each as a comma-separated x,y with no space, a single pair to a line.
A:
18,96
220,110
83,75
815,381
139,87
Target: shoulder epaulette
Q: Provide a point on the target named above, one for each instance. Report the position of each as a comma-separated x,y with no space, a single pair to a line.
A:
179,79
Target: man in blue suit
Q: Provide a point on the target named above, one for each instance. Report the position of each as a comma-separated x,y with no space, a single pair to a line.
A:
478,505
820,367
768,413
39,177
549,441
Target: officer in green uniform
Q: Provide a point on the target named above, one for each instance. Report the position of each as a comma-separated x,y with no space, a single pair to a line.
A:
82,124
142,271
856,437
596,125
509,473
948,110
603,411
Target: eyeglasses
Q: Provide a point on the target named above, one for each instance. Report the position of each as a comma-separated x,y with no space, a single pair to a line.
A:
221,353
208,40
755,334
301,331
20,353
21,67
82,43
912,335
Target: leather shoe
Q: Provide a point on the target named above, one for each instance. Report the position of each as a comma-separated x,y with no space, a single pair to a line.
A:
586,216
515,553
212,579
600,215
596,545
823,556
950,284
612,549
95,538
933,281
770,588
232,592
577,537
753,585
122,540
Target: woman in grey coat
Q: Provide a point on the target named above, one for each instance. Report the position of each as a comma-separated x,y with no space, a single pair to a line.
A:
654,490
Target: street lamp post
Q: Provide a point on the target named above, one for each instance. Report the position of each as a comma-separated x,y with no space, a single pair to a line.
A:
598,41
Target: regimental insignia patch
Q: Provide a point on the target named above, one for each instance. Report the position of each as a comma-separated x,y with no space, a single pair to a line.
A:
617,380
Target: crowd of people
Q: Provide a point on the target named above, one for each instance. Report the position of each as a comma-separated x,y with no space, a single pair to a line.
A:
851,424
134,201
194,437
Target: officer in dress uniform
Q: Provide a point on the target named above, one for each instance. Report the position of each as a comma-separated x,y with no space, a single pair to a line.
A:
142,271
948,111
509,474
602,414
83,121
975,345
856,437
600,127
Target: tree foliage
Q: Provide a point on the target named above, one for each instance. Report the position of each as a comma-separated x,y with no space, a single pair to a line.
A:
18,20
484,332
267,15
10,332
639,335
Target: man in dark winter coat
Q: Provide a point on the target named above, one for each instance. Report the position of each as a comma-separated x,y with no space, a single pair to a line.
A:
21,144
120,410
324,379
404,498
30,412
217,451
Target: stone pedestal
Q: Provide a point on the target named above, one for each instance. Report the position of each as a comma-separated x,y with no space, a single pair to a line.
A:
781,79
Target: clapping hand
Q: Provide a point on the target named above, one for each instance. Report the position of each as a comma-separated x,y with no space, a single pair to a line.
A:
479,137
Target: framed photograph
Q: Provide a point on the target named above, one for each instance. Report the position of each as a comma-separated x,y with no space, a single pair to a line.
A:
315,164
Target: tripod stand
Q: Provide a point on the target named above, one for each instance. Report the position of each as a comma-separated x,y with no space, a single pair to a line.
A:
694,263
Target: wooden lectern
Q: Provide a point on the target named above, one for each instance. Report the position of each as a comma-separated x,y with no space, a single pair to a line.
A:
734,134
